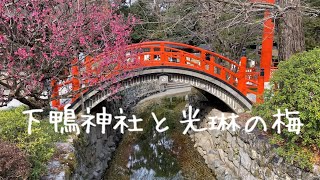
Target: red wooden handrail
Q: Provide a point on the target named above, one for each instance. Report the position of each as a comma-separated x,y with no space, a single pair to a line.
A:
171,54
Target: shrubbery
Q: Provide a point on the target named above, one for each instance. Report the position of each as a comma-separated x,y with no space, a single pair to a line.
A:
296,87
13,162
38,146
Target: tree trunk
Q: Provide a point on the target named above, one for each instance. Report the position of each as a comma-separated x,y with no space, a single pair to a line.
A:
290,31
32,103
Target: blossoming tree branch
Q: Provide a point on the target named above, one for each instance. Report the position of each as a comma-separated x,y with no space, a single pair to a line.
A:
39,39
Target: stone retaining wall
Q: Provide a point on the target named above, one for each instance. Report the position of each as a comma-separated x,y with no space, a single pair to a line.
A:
239,155
93,151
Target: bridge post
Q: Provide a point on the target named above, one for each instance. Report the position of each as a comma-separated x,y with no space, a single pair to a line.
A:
55,93
163,55
151,54
259,98
182,58
223,74
211,64
203,60
242,75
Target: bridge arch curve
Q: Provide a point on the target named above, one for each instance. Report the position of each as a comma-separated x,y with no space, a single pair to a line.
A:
230,81
162,75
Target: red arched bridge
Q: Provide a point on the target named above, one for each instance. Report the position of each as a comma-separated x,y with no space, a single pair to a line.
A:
229,80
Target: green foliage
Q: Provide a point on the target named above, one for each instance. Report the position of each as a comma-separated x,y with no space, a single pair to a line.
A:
296,87
146,17
294,153
311,27
38,146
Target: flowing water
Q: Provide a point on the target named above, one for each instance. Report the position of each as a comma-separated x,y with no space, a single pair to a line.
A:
150,155
154,158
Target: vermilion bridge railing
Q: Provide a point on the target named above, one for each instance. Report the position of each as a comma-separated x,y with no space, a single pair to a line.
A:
170,54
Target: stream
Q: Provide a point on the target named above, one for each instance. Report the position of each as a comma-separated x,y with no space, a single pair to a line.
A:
150,155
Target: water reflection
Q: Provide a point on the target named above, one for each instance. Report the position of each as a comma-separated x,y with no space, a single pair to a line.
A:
150,155
154,158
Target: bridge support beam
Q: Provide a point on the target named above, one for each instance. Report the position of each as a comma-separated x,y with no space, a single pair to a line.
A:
55,93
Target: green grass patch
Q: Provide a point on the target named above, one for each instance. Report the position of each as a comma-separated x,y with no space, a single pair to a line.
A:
39,146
